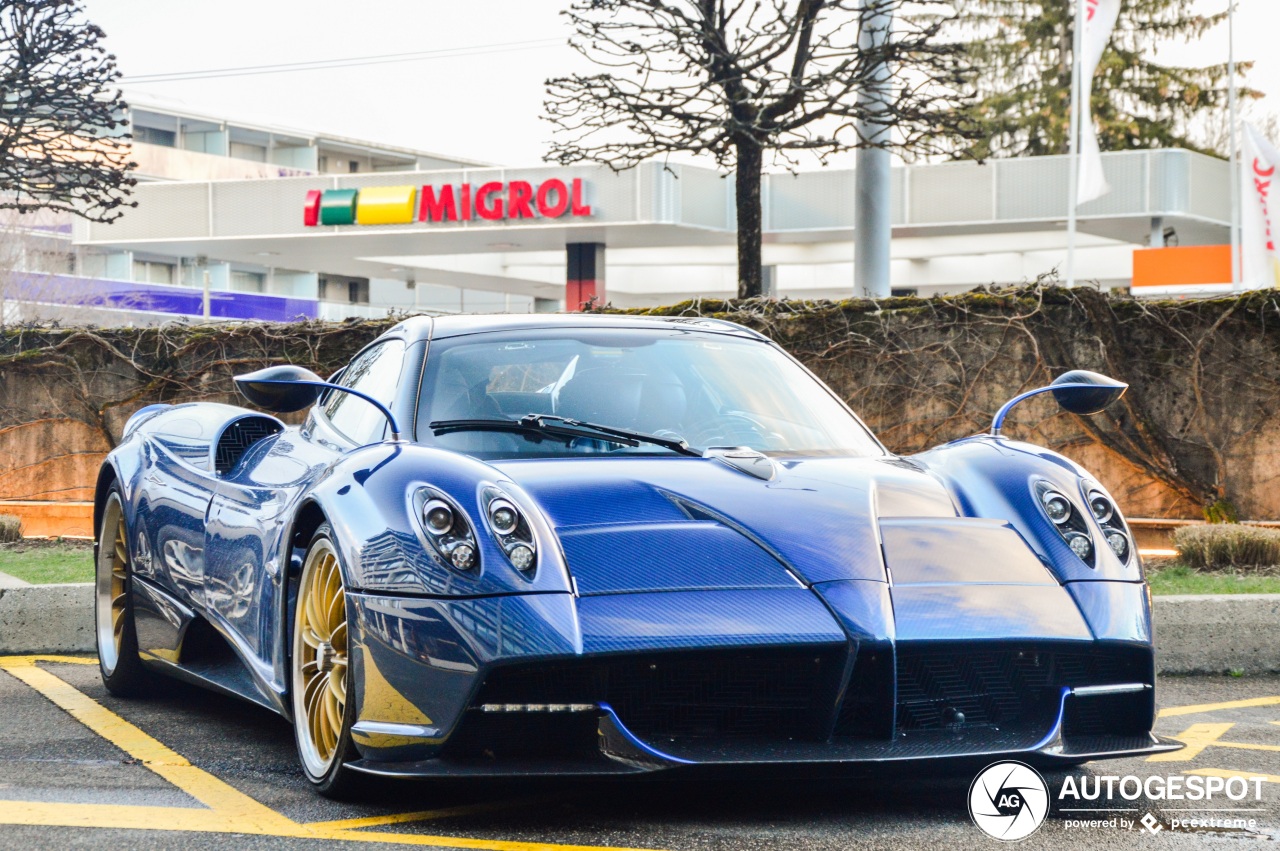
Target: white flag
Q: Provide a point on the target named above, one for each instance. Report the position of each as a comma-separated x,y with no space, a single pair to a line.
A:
1259,258
1099,20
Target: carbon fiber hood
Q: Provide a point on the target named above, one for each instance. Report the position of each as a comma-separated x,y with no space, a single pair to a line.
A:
636,524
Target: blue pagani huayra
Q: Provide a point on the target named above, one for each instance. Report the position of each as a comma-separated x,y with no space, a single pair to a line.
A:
611,545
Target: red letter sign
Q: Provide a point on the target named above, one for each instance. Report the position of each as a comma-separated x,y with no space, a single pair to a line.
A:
433,209
579,208
545,207
466,202
311,211
483,209
519,194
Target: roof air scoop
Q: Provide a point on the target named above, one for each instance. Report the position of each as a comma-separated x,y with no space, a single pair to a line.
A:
744,459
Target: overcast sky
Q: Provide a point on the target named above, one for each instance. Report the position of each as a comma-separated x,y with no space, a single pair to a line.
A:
484,103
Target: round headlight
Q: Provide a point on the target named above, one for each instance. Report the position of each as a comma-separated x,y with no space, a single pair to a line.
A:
1101,507
521,556
1119,544
1080,544
463,556
1057,506
503,516
437,516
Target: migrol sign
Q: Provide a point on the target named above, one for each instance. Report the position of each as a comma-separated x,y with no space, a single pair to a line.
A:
494,201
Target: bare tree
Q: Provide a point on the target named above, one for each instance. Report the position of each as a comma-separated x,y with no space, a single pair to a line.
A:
739,79
59,114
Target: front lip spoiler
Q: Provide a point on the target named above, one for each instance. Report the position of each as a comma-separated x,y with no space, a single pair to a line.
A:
1087,747
623,753
603,766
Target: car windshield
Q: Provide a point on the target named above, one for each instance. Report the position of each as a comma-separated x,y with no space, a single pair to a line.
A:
709,390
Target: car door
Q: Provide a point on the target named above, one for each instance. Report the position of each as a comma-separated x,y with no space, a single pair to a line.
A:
248,561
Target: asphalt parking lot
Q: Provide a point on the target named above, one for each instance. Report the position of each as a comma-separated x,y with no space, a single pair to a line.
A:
79,768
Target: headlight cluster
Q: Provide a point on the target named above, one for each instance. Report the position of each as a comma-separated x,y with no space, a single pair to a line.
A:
1113,528
1071,524
1066,518
448,530
511,529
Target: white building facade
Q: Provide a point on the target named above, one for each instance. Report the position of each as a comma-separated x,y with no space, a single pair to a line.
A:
247,222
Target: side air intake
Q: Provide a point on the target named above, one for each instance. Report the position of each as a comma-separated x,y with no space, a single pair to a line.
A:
238,437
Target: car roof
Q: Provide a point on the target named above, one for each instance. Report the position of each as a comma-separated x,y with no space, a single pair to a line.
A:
439,327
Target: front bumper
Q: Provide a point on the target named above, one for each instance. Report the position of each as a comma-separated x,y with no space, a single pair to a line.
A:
552,684
621,753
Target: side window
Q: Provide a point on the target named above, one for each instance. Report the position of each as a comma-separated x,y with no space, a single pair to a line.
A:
376,372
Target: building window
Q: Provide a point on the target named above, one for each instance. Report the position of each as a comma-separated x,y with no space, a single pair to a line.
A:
344,290
205,142
248,282
150,272
155,136
245,151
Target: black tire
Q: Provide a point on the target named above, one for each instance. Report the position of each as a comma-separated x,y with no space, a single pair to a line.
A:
122,670
324,762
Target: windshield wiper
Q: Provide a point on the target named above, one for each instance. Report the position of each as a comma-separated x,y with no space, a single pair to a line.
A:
534,425
672,443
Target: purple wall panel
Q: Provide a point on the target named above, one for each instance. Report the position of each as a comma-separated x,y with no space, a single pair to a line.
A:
158,298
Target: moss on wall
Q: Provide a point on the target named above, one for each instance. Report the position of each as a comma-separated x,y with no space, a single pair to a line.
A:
1200,427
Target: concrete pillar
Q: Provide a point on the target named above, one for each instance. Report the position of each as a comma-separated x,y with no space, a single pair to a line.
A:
769,279
872,228
585,278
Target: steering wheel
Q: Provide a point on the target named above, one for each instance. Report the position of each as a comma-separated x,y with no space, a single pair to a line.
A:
730,428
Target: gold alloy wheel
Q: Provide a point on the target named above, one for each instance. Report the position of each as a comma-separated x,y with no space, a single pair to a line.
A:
320,659
112,570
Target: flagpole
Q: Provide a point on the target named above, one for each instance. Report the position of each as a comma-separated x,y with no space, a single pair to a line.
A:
1232,110
1073,182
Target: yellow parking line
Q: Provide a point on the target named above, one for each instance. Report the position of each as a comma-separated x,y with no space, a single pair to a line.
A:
46,657
1248,746
228,809
1222,772
178,819
45,814
1197,737
1214,707
201,785
423,815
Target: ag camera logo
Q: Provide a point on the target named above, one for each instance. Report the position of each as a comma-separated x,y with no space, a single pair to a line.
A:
1008,801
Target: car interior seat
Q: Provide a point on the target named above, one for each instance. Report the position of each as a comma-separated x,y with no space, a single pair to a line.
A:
454,398
624,398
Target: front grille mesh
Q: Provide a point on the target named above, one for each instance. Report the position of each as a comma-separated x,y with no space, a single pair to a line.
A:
758,696
998,686
686,695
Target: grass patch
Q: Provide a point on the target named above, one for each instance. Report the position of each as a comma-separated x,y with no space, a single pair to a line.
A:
47,562
1180,579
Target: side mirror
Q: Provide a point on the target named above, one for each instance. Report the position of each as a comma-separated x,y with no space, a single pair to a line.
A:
1082,392
1078,391
284,389
281,389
